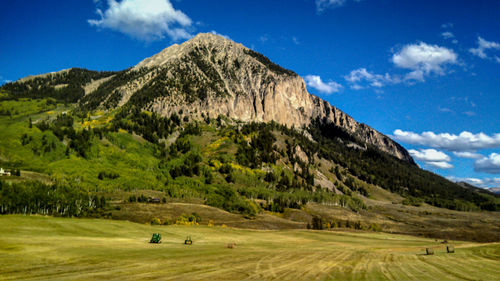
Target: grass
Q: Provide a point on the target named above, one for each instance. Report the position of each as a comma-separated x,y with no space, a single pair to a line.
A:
45,248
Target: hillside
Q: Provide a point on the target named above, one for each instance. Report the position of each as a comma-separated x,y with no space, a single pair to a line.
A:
175,133
118,162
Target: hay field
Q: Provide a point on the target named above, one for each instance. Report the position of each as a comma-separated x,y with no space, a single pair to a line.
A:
45,248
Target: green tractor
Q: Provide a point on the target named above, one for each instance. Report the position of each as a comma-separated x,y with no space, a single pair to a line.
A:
188,241
156,238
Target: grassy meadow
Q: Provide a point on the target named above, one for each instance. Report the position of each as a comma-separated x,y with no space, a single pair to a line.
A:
47,248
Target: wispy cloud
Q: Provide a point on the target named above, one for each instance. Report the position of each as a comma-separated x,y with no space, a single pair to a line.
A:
447,25
464,100
459,102
361,78
447,35
468,154
445,109
314,81
440,165
482,46
146,20
325,4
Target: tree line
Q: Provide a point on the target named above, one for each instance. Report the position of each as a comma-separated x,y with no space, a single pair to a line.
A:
57,200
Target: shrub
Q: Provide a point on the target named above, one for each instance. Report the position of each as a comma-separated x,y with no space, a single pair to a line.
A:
155,221
193,219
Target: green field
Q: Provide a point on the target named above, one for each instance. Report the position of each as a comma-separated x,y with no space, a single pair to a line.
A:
46,248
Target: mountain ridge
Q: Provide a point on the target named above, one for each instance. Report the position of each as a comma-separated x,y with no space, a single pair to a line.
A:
242,84
208,75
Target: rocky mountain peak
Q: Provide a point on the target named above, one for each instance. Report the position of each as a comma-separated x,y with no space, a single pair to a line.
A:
200,41
210,75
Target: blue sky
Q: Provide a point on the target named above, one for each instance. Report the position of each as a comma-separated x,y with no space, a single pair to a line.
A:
424,72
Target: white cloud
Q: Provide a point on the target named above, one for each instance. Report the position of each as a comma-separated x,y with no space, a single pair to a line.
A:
490,164
497,59
470,113
432,157
467,154
295,40
440,165
421,59
144,19
483,45
424,59
484,182
314,81
447,35
465,141
360,75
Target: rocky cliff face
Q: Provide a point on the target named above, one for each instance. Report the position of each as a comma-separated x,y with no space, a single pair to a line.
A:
213,76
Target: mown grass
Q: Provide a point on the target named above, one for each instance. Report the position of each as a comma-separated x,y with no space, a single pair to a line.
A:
45,248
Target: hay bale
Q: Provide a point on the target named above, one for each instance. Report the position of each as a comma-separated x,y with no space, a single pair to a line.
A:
429,251
231,245
450,249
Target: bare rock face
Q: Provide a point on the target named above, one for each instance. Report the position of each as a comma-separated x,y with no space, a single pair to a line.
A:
214,76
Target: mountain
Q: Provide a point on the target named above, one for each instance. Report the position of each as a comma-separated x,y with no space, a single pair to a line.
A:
495,190
205,76
469,186
211,75
211,122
